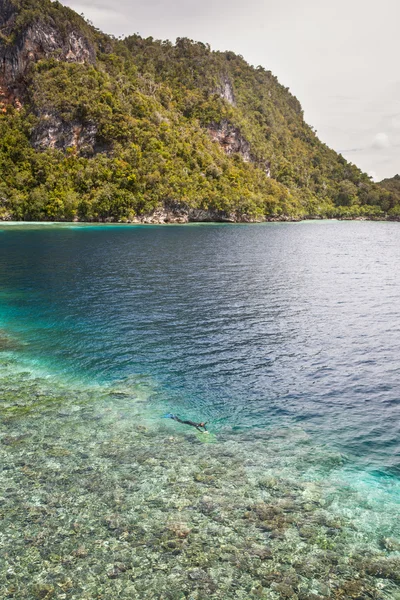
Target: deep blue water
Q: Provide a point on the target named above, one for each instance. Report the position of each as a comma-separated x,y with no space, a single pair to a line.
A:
245,326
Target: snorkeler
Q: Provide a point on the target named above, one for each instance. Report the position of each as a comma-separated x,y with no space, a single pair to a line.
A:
199,426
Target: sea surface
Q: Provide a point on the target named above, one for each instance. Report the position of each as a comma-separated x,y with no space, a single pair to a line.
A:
284,337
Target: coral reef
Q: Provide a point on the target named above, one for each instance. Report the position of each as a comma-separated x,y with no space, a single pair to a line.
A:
100,498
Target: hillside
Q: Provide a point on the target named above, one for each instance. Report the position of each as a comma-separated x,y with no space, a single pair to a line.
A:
392,185
94,128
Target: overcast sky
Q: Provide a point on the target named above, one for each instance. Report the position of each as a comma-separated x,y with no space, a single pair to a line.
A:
339,58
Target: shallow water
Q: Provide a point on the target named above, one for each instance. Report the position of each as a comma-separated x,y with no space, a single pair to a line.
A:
284,337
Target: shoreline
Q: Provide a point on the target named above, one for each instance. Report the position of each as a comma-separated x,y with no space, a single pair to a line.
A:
149,220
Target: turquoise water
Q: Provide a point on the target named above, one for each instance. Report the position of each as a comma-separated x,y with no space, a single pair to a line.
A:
284,337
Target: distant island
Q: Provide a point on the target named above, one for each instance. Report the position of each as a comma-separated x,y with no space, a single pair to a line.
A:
94,128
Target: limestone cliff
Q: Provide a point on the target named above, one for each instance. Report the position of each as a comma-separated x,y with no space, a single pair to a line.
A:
55,133
39,39
24,44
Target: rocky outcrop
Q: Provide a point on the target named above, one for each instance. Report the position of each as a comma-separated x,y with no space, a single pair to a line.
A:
225,90
164,217
52,132
227,135
43,41
174,212
182,214
232,141
40,39
52,36
7,14
7,98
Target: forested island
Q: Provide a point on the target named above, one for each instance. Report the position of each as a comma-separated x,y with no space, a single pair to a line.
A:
94,128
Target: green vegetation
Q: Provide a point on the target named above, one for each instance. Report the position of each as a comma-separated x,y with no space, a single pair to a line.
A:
392,186
122,134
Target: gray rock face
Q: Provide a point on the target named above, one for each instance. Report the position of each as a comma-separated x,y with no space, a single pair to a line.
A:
42,41
174,212
7,11
225,90
52,132
230,139
39,40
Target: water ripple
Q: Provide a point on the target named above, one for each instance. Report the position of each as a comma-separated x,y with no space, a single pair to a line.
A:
248,325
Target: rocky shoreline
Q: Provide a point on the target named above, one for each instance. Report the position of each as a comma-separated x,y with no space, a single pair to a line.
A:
178,215
161,219
156,219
